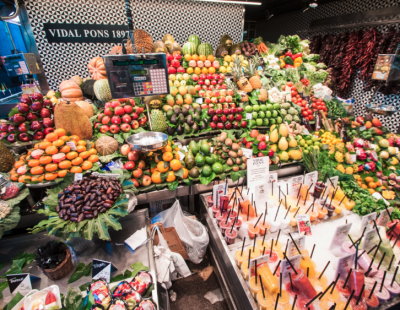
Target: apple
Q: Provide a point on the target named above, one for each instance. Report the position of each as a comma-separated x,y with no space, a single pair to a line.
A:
238,117
220,126
48,122
137,173
210,111
209,93
31,116
226,111
214,100
202,76
195,77
125,127
141,163
217,87
221,76
45,112
209,76
131,102
129,165
48,130
115,104
3,135
104,128
216,93
47,103
97,125
249,145
201,82
239,109
262,145
11,128
218,111
224,86
180,70
38,135
37,96
229,92
146,180
105,120
126,118
207,82
18,118
4,127
215,118
23,108
261,138
175,63
134,115
220,81
139,110
254,133
204,106
260,154
223,118
35,125
100,116
114,129
197,87
228,125
36,106
243,124
204,87
119,111
23,136
231,117
235,125
11,138
201,93
213,125
143,121
134,156
22,127
135,124
223,92
213,82
26,99
108,105
171,70
221,99
135,182
108,111
228,99
115,120
207,100
177,56
170,57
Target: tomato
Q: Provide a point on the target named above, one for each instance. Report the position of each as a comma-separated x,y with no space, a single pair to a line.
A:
304,101
294,88
290,84
324,108
313,99
298,96
319,100
310,117
304,113
294,93
315,110
313,105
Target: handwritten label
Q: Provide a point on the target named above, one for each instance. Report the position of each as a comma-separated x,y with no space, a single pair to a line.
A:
249,116
311,179
72,145
272,181
363,128
78,176
340,235
294,185
199,100
286,267
368,221
301,244
344,264
247,152
257,171
217,190
304,224
369,239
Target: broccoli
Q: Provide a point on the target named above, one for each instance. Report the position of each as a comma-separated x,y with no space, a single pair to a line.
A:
296,118
286,105
293,111
283,112
288,118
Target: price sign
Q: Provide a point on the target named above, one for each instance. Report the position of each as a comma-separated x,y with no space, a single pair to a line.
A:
199,100
72,145
102,270
311,179
363,128
249,116
344,264
286,267
217,190
78,176
294,185
368,221
257,171
301,244
247,152
272,181
369,241
20,283
340,235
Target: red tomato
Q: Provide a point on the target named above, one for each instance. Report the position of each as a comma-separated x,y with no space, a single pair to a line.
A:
304,101
313,99
294,93
290,84
294,88
310,117
298,96
324,108
304,113
315,110
313,105
319,100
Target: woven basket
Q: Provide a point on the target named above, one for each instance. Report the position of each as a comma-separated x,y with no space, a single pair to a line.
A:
62,270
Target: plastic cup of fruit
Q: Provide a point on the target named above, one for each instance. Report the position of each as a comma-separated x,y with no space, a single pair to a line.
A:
332,296
232,214
283,298
338,207
264,303
285,223
322,212
345,291
292,291
331,210
252,231
393,289
210,201
241,257
224,202
340,305
221,217
261,245
293,222
302,302
356,281
349,204
273,257
372,302
274,225
325,304
313,215
321,282
255,252
224,225
254,287
244,270
215,210
238,224
382,295
348,247
360,306
263,227
277,244
230,236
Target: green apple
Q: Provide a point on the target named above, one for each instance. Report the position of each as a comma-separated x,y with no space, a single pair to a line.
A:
272,121
277,106
248,109
266,122
314,139
255,115
256,107
261,114
263,107
274,114
309,142
302,142
259,121
268,114
270,107
279,120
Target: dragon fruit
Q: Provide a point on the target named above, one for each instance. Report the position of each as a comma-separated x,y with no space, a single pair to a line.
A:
350,147
372,155
370,166
391,141
358,142
360,168
361,155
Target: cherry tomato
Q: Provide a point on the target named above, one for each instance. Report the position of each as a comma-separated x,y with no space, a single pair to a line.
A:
304,113
294,88
313,99
298,96
310,117
290,84
315,110
319,100
324,108
304,101
313,105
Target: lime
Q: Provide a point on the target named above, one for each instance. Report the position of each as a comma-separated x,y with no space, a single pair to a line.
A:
248,109
215,156
210,160
255,115
217,168
272,121
266,122
200,160
206,172
279,120
274,114
317,144
277,106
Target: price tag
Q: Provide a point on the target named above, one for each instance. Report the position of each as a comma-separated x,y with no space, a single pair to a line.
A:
72,145
102,270
78,177
247,152
368,221
211,150
3,190
397,150
311,179
340,235
305,131
294,185
267,138
257,171
181,155
353,157
369,241
304,224
344,264
272,183
249,116
217,190
301,244
286,267
199,100
363,128
384,217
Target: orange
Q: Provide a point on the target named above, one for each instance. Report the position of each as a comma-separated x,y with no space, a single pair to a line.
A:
168,148
93,158
87,165
65,138
197,70
44,160
204,70
363,186
185,173
211,70
152,170
22,178
81,142
65,164
33,163
72,155
45,144
378,183
195,57
29,152
175,164
93,151
51,150
77,161
162,167
188,57
59,142
18,164
50,176
37,170
167,156
51,137
14,176
51,167
81,148
36,146
371,190
74,138
202,57
76,169
60,132
369,179
171,176
210,58
189,70
177,156
156,177
65,149
62,173
158,158
84,154
372,185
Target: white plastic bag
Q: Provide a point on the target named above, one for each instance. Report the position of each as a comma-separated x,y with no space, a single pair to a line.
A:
191,232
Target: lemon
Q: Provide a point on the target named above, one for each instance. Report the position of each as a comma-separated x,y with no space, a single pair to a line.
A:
186,76
171,83
229,69
179,77
189,70
222,69
172,77
228,58
177,83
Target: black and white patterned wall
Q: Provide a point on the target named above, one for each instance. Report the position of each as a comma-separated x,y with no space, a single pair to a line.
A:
298,22
180,18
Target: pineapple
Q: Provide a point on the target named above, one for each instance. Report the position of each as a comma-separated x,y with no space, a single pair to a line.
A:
255,80
349,170
263,95
241,81
355,168
340,167
339,157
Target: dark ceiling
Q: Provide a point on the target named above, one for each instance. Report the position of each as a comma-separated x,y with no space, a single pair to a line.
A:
277,7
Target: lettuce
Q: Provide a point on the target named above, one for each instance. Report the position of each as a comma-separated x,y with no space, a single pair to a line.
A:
311,58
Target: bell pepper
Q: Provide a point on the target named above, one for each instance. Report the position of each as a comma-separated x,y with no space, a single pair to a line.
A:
289,53
282,65
289,67
288,60
297,62
297,56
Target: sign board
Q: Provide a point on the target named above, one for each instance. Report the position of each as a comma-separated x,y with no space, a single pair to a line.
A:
102,270
340,235
257,171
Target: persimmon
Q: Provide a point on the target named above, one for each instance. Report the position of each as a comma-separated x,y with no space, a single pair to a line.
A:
51,168
65,164
18,164
14,176
23,178
52,150
82,142
167,156
44,160
84,154
76,169
93,158
65,138
171,177
369,179
50,176
65,149
81,148
59,143
86,165
60,132
62,173
37,170
74,138
45,144
77,161
51,137
72,155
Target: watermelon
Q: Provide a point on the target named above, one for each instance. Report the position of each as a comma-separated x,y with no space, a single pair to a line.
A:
205,49
189,48
194,39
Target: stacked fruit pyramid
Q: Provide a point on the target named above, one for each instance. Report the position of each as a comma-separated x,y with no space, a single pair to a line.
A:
228,148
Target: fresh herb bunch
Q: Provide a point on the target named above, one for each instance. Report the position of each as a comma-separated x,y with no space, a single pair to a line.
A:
311,160
335,108
51,255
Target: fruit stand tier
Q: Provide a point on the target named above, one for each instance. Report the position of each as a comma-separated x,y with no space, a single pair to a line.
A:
84,251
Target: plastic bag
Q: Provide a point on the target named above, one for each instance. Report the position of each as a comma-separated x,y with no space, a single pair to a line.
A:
192,233
9,191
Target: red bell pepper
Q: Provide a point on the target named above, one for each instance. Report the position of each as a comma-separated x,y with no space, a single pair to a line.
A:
289,67
297,56
289,53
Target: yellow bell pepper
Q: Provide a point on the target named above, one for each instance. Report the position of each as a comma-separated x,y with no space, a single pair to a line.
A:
297,62
283,64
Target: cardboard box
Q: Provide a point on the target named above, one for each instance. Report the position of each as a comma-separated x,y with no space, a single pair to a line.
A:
174,242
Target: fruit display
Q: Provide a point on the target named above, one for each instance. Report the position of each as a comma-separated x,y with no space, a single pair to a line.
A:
7,159
248,48
226,116
31,119
231,153
200,64
185,119
263,114
54,157
229,62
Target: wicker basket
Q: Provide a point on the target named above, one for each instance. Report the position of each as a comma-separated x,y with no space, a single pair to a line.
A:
62,270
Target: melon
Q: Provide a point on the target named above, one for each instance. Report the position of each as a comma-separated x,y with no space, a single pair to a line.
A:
235,49
106,145
102,90
175,49
221,51
205,49
168,40
189,48
86,107
194,39
87,88
226,40
77,79
159,47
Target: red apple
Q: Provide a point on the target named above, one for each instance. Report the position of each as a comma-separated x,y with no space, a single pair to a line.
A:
171,70
197,87
125,127
11,128
229,92
45,112
134,116
221,99
134,156
195,77
129,165
143,120
115,104
108,105
201,82
169,57
220,126
204,87
48,122
116,120
31,116
249,145
36,125
137,173
175,63
37,96
3,135
135,124
146,180
177,56
22,127
224,86
23,136
235,125
126,118
26,99
108,112
213,82
11,138
231,117
23,108
119,111
128,109
243,124
38,135
4,127
239,117
114,129
228,125
18,118
36,106
229,99
207,100
48,130
104,128
47,103
180,70
135,182
105,120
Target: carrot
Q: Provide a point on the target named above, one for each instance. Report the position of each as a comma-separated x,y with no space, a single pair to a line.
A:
262,48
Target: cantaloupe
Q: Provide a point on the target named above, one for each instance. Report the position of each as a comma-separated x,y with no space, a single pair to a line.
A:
106,145
102,90
86,107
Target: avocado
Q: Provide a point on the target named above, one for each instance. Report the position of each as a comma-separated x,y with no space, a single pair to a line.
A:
194,173
187,128
181,118
177,110
189,160
170,113
203,125
170,130
200,160
185,111
189,120
173,120
198,109
179,130
195,128
205,147
194,147
196,117
191,108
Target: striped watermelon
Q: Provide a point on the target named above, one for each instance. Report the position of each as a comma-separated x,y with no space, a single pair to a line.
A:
205,49
189,48
194,39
